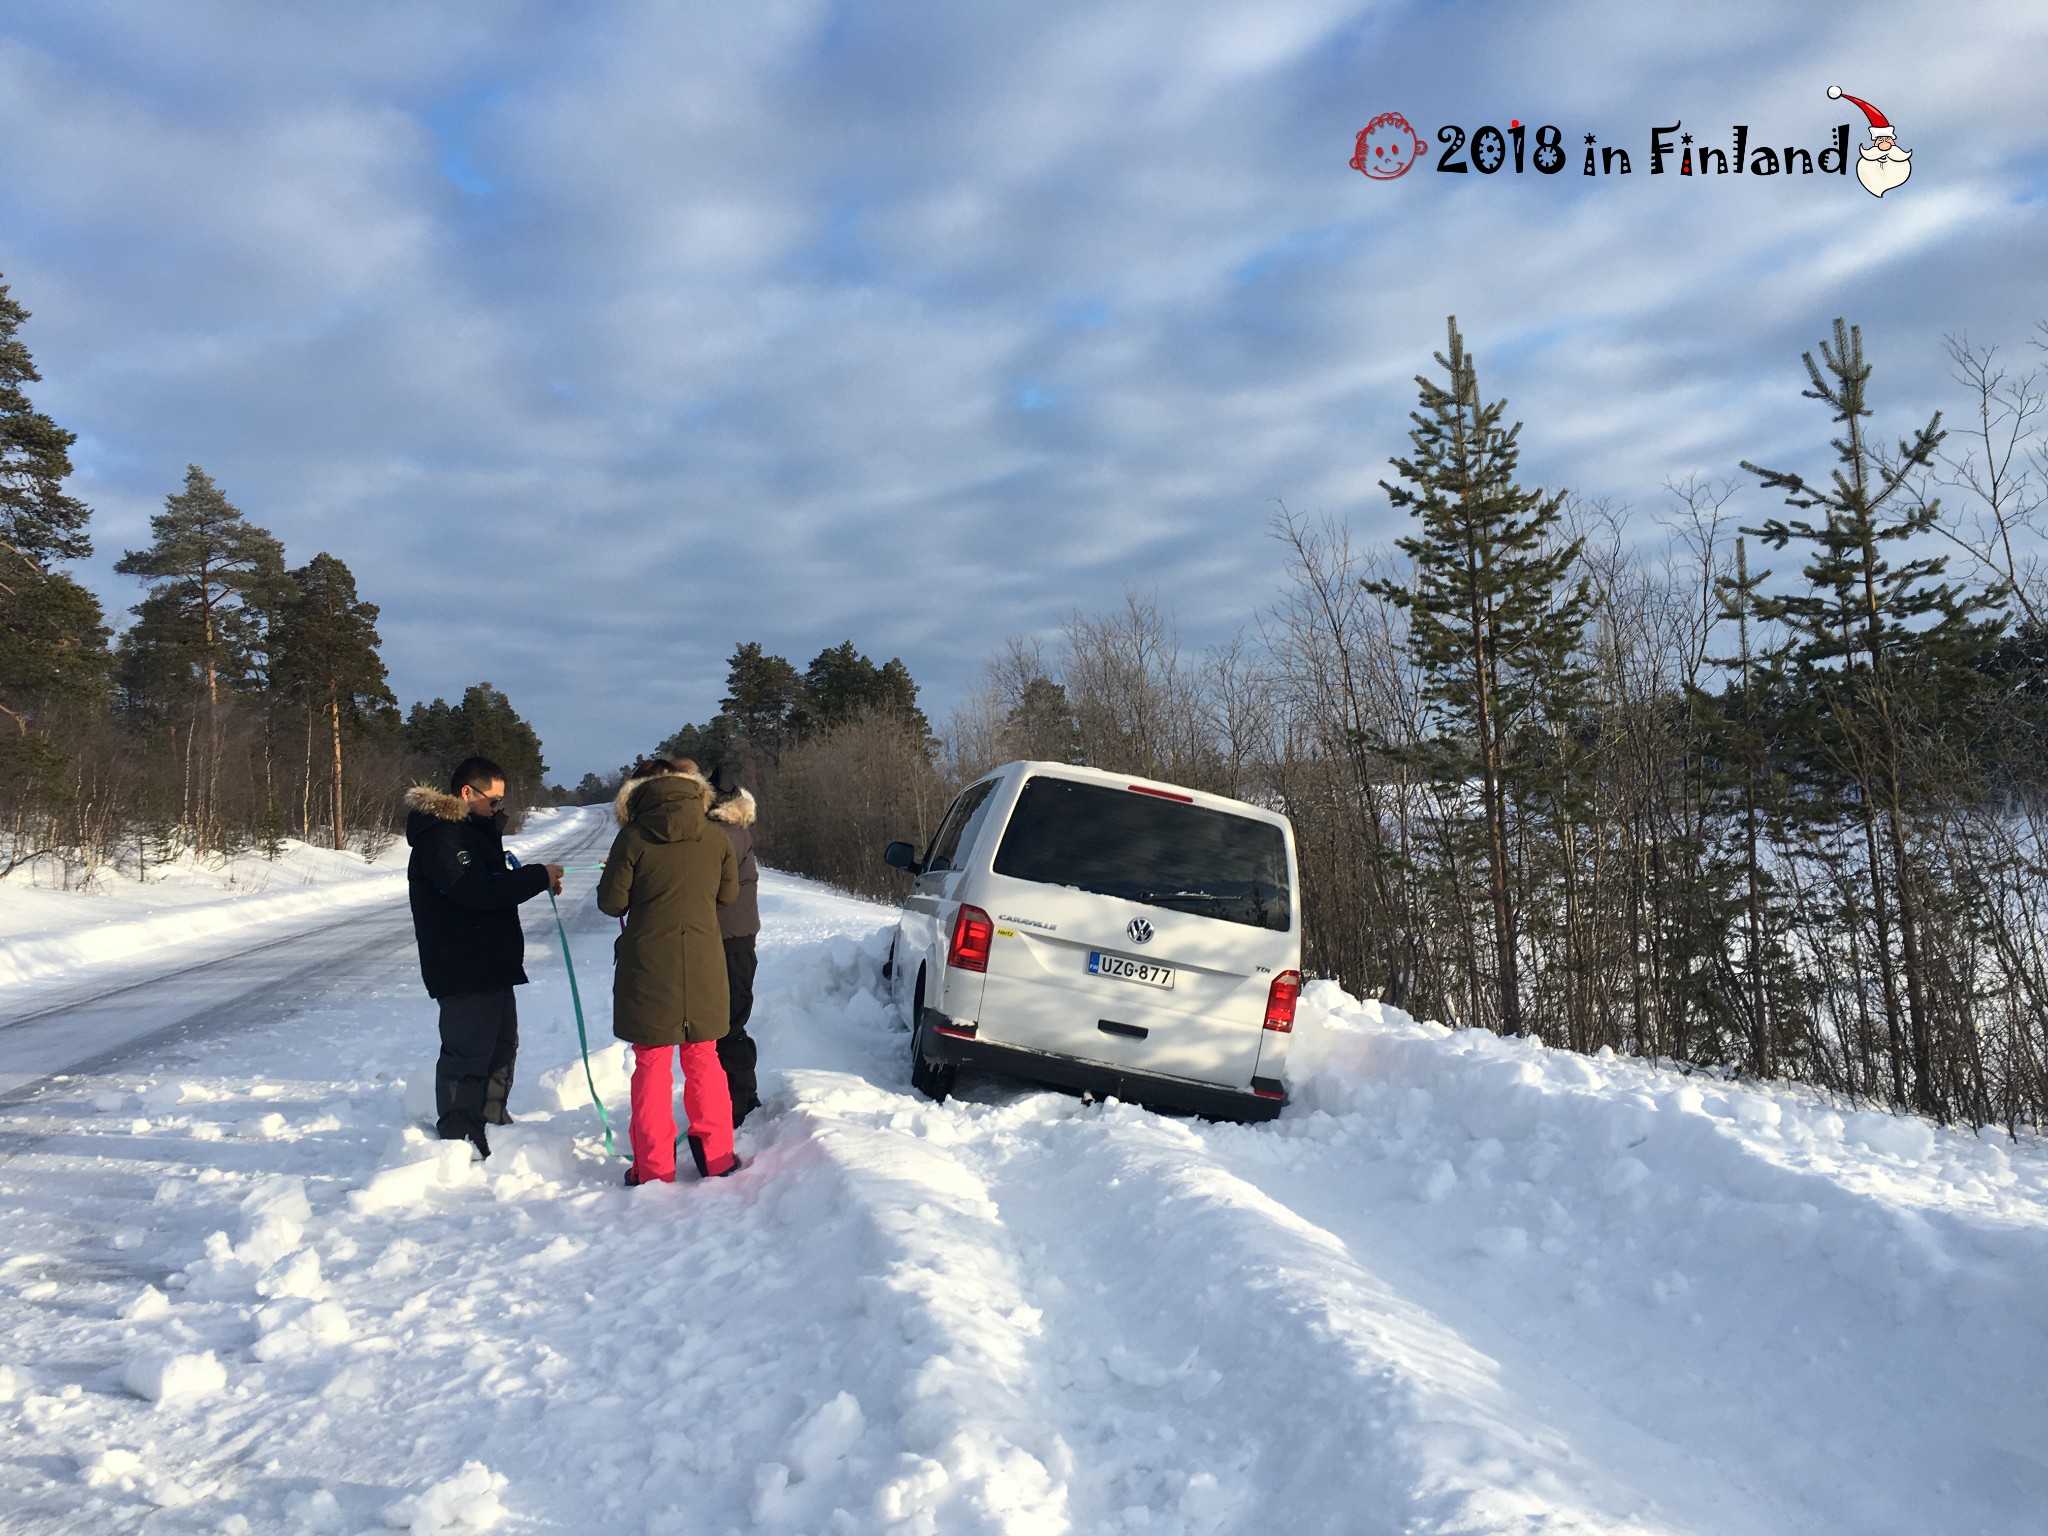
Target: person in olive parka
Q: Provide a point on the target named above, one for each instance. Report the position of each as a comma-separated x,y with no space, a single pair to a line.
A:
668,873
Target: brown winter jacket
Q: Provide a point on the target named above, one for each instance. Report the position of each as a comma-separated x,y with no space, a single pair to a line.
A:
667,874
741,920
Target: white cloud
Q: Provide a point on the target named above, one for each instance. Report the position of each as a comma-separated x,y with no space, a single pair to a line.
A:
597,341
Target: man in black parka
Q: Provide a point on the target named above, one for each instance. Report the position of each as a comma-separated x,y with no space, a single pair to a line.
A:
465,914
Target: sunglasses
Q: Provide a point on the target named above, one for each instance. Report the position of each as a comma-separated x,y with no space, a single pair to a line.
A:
493,801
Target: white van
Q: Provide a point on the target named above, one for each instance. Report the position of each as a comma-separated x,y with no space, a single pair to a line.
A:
1106,933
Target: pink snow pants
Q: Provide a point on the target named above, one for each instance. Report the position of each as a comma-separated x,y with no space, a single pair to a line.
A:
707,1105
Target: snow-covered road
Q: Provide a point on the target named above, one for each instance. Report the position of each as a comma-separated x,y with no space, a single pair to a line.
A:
1462,1285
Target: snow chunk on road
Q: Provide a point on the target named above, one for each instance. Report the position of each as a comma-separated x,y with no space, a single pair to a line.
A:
148,1304
129,1471
416,1164
163,1376
167,1096
294,1329
827,1435
1436,1180
468,1501
566,1087
297,1274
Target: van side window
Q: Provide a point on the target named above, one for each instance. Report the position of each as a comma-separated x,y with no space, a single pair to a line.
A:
954,839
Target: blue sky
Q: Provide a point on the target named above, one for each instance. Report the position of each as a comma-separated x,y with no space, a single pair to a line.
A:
599,338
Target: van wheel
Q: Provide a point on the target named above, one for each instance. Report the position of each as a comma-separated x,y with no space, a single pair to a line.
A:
933,1079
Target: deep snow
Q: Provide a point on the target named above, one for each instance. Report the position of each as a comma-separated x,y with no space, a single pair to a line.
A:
1462,1285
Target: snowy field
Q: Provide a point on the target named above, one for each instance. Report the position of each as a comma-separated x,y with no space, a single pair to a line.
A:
1461,1285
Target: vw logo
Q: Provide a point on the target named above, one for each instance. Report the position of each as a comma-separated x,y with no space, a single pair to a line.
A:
1140,931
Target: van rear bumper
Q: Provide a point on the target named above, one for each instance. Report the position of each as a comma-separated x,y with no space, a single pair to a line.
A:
1147,1088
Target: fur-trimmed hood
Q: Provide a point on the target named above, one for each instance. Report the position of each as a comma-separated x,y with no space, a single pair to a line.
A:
664,805
735,810
622,802
439,803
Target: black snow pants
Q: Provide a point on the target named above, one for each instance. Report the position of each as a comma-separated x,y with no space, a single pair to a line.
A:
473,1078
737,1052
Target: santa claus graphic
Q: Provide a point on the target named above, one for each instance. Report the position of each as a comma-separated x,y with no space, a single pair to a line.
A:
1882,163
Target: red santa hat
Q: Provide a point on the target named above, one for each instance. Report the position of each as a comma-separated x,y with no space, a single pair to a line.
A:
1879,128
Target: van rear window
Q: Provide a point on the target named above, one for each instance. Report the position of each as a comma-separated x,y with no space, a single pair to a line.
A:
1160,853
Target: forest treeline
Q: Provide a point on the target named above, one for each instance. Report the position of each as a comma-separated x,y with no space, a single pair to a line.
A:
1763,794
246,703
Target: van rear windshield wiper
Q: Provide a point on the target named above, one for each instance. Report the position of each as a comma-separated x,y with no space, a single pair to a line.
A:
1181,896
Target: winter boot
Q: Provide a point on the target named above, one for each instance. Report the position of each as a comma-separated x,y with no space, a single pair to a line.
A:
703,1171
480,1141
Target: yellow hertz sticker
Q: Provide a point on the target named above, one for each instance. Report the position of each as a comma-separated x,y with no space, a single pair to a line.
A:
1006,933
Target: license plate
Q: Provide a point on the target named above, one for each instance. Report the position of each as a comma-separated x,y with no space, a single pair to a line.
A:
1100,964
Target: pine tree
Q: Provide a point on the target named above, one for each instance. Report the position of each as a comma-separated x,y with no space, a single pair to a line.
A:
326,655
710,745
204,622
483,724
1495,618
841,685
764,695
215,568
1885,658
53,638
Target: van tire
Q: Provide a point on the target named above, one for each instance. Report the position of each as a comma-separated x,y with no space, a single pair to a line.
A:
933,1079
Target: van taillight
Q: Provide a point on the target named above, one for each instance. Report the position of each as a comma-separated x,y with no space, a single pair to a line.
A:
973,932
1280,1001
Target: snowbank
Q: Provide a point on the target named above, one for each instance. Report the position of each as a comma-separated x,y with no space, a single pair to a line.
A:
1461,1285
184,903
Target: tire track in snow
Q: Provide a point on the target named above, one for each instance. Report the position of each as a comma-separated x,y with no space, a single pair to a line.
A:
1647,1255
1174,1343
1212,1301
973,1399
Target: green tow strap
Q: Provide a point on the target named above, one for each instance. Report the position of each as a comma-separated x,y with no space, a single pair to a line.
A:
582,1035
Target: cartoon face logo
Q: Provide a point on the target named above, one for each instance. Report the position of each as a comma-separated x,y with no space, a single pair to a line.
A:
1386,147
1883,163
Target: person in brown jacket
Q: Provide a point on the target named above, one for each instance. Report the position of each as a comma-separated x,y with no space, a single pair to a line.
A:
737,926
668,873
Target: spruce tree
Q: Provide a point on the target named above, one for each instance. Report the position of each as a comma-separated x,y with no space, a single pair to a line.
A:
1885,659
1742,735
1041,723
1495,620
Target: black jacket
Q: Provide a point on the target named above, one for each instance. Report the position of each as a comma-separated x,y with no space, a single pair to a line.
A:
465,902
